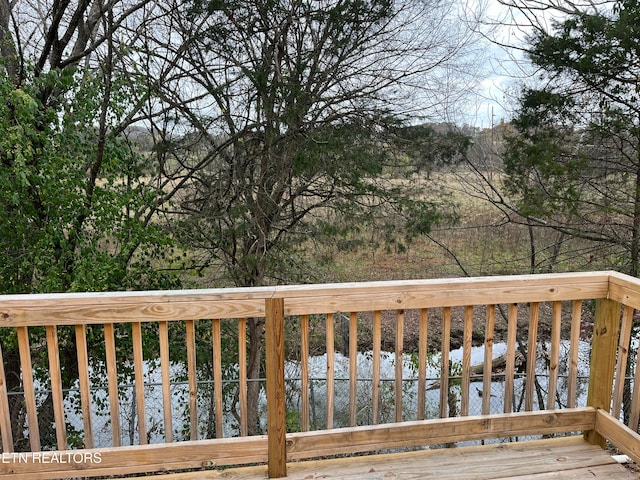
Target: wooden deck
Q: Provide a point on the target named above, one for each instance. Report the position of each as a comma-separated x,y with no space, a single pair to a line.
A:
565,458
174,322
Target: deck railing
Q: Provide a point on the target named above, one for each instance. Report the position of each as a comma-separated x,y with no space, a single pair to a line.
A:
65,357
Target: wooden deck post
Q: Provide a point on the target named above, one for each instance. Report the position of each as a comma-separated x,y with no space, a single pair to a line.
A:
603,360
276,408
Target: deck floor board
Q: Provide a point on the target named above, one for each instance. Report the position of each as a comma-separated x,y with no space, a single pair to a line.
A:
566,458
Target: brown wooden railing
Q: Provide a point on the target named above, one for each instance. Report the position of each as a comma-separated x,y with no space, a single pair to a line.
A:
53,394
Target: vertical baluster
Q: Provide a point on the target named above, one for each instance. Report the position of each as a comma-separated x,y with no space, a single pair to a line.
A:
554,361
634,418
621,365
165,365
190,339
5,419
375,376
398,364
532,346
509,373
444,368
56,386
330,336
353,368
304,370
112,380
242,386
487,373
27,385
83,378
466,359
572,388
422,358
138,370
217,376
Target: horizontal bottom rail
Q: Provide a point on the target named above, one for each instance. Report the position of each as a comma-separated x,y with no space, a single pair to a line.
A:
161,457
438,431
246,450
618,434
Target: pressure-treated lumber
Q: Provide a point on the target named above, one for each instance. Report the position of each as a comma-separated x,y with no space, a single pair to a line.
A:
85,385
276,408
95,308
438,431
5,420
618,434
27,384
603,360
566,458
56,386
140,458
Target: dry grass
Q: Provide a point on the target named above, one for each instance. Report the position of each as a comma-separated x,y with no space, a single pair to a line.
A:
483,242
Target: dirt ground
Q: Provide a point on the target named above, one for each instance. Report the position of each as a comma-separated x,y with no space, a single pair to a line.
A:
412,327
411,337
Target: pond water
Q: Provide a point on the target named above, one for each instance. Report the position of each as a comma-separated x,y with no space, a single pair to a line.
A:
317,394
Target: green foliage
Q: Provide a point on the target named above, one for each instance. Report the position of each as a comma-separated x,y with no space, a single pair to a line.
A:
573,162
428,149
76,211
73,209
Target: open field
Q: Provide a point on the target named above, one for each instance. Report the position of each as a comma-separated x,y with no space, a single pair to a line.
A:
481,243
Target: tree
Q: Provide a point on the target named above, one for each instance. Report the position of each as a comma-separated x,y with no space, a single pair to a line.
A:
276,117
77,200
573,165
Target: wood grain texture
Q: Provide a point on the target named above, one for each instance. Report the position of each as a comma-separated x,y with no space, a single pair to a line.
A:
92,308
26,368
56,386
138,371
438,431
565,458
603,359
611,291
576,314
5,418
423,339
190,340
216,334
276,407
304,371
399,351
512,327
112,380
532,344
242,376
85,384
466,360
142,458
554,358
377,348
445,347
619,434
353,368
165,364
330,346
489,328
621,363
